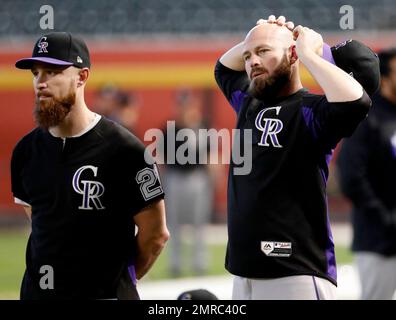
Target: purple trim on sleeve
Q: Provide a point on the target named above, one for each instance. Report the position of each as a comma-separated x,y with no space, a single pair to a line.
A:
314,127
327,55
236,100
310,122
132,273
325,171
330,254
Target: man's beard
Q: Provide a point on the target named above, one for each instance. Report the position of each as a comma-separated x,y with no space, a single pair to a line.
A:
267,89
52,111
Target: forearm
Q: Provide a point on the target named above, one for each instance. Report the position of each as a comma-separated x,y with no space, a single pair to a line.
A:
148,251
337,85
233,58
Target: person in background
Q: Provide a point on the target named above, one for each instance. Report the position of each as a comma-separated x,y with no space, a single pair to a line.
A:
367,173
189,189
118,105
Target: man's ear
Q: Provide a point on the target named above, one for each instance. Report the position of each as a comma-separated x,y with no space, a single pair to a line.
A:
293,54
82,76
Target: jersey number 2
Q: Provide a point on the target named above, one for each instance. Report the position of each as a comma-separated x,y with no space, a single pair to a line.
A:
147,179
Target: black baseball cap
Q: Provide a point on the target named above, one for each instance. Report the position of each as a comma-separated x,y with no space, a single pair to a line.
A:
360,61
58,48
199,294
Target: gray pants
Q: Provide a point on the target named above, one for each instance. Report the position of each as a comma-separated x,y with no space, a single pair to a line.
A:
188,201
377,275
285,288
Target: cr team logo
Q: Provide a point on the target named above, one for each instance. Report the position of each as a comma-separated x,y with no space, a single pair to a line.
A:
90,190
42,44
270,128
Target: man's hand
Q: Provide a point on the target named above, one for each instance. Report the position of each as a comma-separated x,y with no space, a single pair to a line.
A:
337,85
307,40
281,21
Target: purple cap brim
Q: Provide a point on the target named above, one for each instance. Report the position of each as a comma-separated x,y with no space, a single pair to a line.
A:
27,63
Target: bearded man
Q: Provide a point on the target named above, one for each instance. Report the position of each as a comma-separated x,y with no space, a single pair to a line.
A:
279,239
84,183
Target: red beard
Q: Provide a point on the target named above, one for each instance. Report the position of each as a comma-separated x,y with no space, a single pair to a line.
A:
52,111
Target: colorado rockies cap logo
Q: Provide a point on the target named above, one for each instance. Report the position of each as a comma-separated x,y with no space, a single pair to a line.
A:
89,189
270,128
43,44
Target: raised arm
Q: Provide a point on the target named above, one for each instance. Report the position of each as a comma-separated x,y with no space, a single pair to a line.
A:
233,57
338,86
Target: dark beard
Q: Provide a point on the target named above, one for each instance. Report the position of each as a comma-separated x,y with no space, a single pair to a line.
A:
51,112
268,89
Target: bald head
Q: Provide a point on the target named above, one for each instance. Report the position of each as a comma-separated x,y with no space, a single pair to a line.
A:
270,34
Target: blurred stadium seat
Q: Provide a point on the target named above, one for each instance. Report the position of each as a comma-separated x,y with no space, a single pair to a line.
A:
146,17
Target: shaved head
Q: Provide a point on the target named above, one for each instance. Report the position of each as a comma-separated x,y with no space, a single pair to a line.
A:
270,34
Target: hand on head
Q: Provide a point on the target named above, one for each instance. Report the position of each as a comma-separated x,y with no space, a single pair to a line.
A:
281,21
305,38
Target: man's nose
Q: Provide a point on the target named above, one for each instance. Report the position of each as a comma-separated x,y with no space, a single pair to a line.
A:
254,61
41,81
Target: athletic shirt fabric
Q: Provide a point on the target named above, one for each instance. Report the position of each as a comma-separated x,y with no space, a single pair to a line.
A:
278,222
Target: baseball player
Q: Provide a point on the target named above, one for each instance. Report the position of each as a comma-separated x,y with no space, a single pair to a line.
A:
83,181
280,244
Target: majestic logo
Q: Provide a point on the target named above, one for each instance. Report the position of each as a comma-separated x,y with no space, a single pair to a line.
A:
42,44
90,190
276,249
270,128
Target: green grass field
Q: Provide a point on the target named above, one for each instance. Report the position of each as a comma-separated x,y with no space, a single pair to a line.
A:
12,262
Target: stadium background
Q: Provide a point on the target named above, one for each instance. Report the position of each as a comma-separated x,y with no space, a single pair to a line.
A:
153,48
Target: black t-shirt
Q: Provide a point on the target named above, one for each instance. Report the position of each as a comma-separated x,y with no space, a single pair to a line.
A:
277,214
84,192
